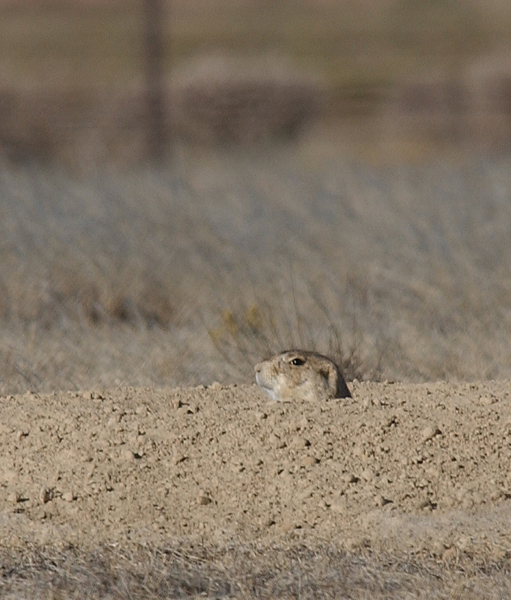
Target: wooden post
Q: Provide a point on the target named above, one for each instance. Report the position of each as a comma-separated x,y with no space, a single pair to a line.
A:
154,80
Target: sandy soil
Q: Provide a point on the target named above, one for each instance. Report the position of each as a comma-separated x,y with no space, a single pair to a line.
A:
412,468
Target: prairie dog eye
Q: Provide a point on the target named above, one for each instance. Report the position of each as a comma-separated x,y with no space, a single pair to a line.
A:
297,362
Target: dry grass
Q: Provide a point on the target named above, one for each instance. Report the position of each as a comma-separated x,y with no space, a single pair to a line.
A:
140,278
243,571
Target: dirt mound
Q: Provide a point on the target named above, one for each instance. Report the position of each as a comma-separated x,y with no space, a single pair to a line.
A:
412,468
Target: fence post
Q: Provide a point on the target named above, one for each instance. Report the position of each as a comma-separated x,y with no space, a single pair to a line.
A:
154,80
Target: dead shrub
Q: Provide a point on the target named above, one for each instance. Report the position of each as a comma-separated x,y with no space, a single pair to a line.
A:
472,105
216,101
220,100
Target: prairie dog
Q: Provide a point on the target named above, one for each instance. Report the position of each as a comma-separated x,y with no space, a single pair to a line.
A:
301,375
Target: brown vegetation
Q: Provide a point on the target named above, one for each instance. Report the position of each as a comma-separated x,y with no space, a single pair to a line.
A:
243,571
223,101
210,266
470,108
214,102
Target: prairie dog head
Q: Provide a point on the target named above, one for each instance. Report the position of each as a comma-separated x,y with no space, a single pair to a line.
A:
300,375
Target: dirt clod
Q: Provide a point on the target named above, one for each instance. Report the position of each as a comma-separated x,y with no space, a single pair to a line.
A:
46,494
429,433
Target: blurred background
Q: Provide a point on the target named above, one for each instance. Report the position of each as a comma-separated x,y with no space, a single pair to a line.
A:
96,80
186,187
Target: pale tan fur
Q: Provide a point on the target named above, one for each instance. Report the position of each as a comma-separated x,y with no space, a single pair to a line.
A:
301,375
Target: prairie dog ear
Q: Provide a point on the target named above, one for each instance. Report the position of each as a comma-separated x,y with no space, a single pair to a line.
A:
329,372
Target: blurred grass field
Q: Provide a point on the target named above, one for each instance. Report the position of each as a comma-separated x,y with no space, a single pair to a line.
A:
188,276
387,249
